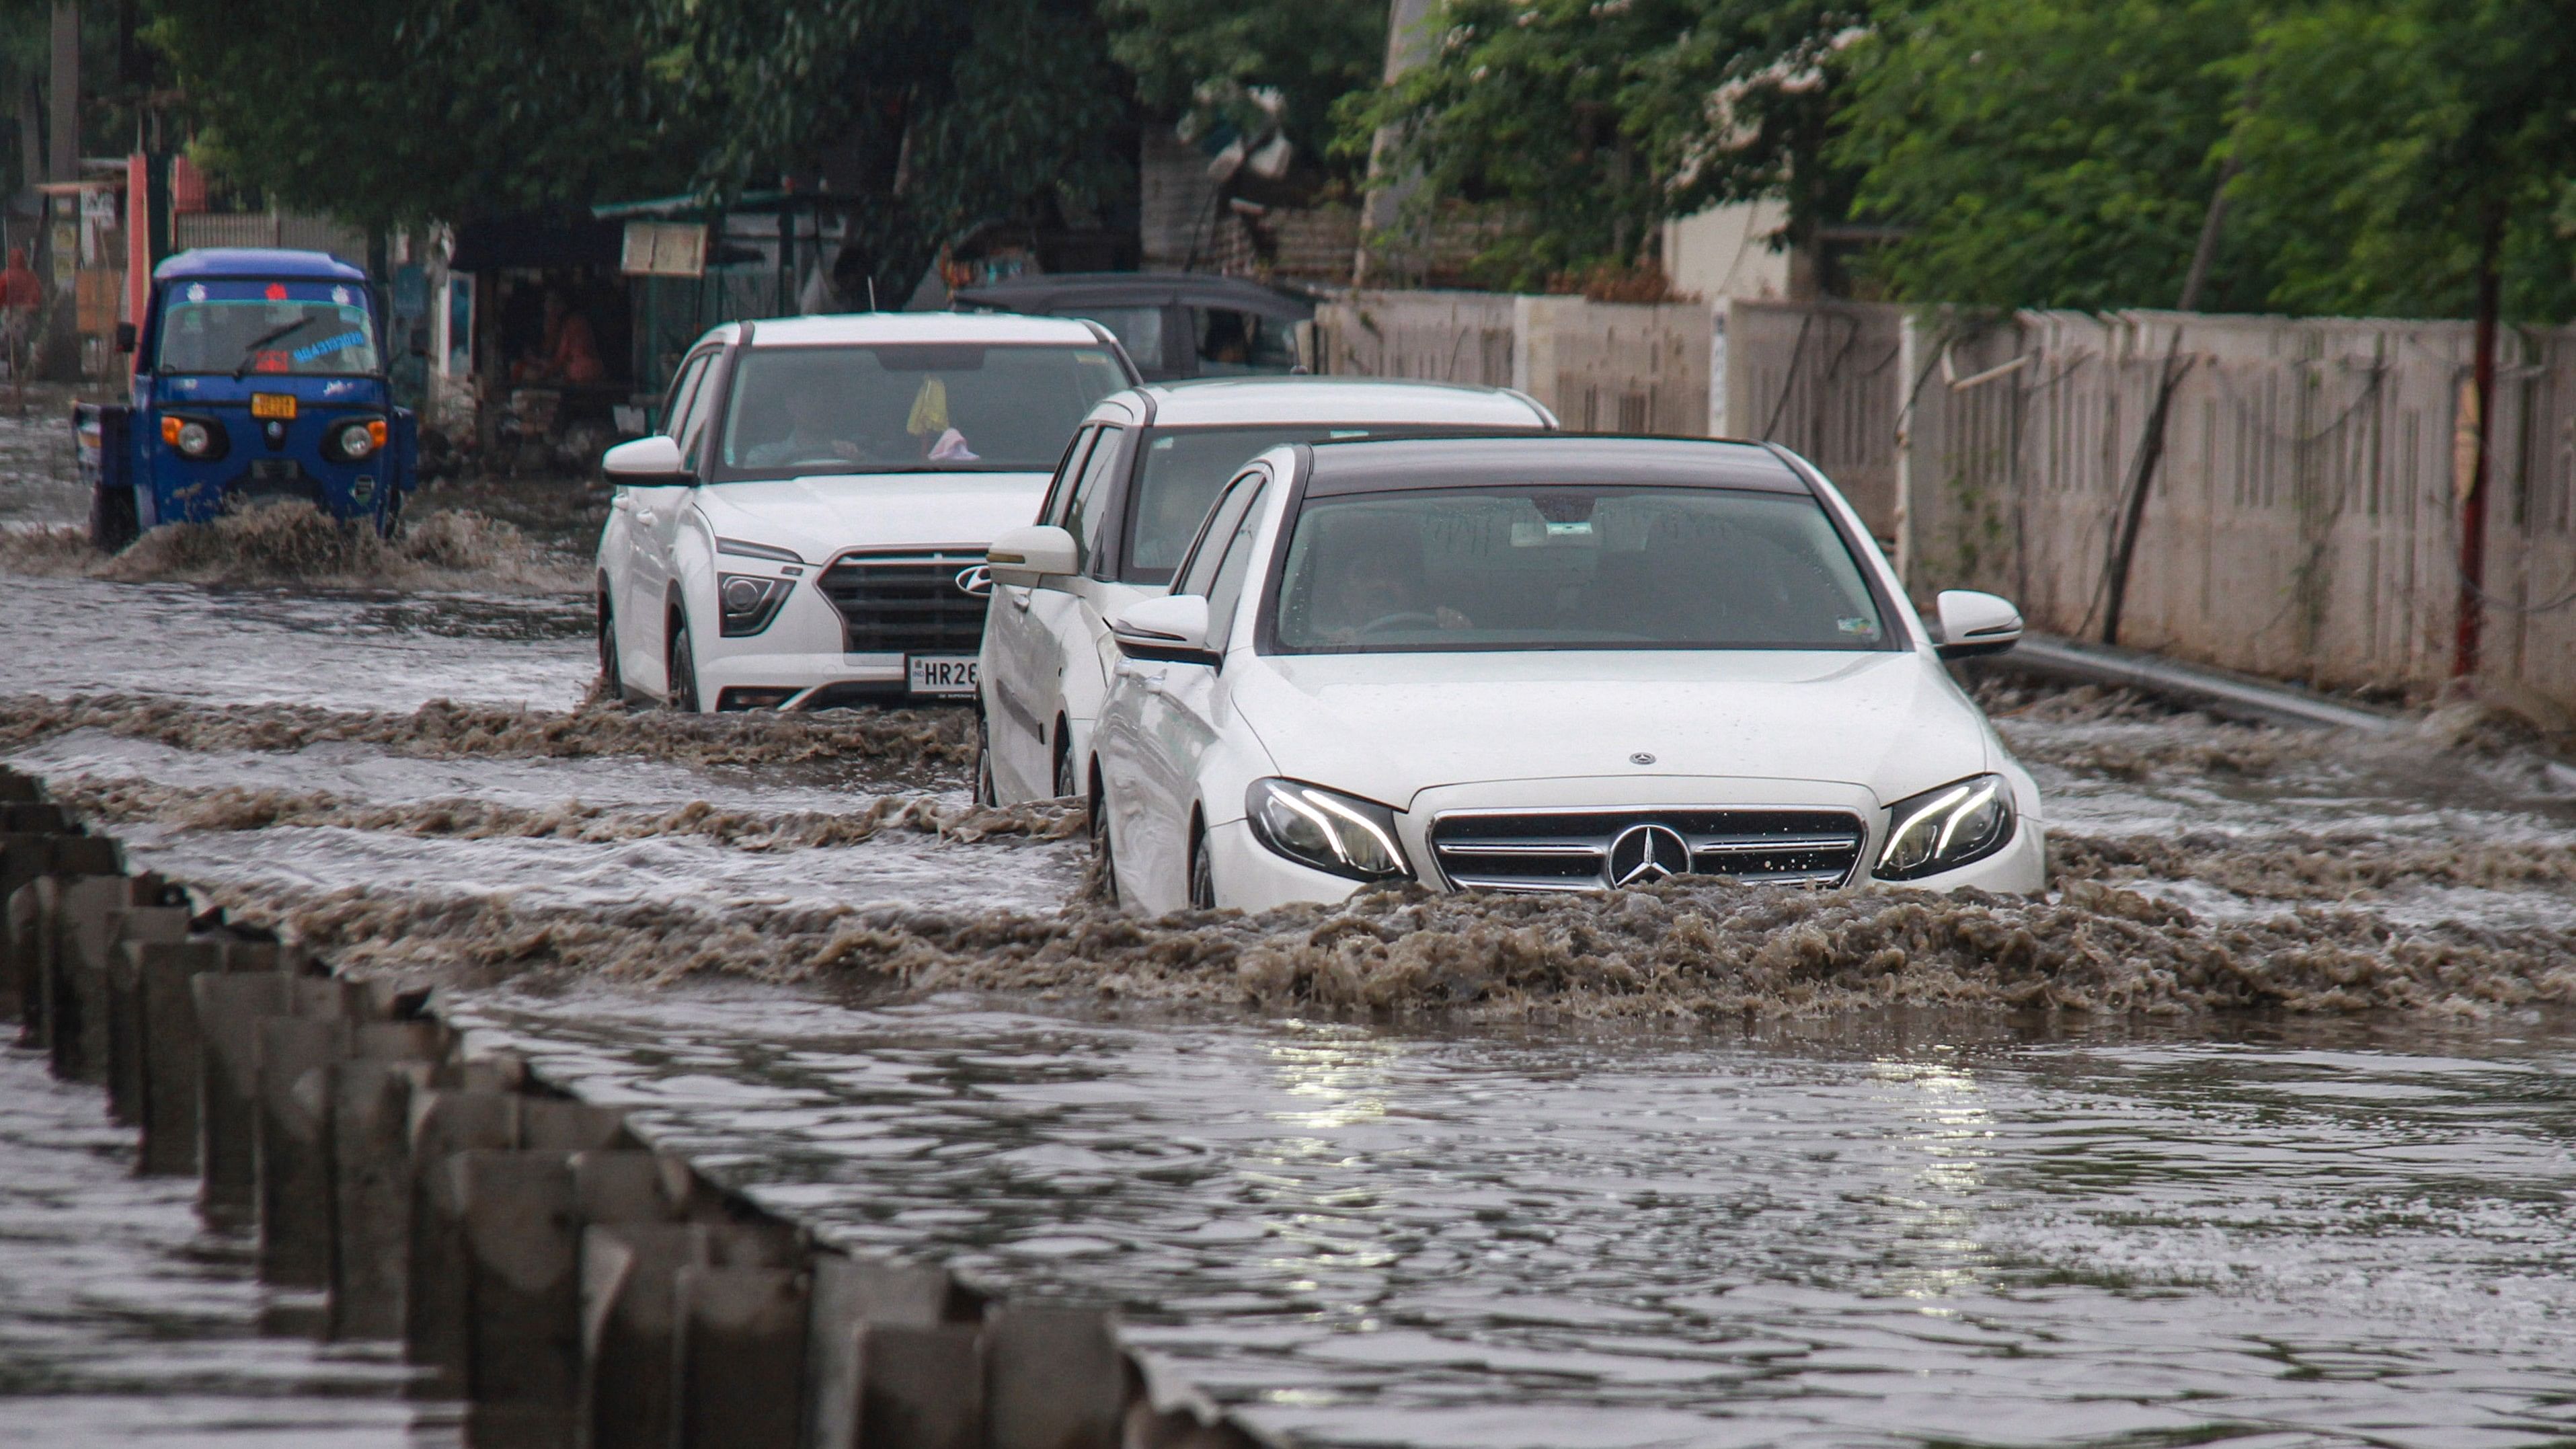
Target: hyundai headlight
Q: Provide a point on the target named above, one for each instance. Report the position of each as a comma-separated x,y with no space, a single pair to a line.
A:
1326,829
1947,828
747,602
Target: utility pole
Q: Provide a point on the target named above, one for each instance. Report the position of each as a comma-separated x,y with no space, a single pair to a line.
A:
57,346
2473,488
1383,203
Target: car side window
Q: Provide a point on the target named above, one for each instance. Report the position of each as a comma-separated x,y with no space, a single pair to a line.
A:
1198,571
1060,488
683,389
701,408
1225,590
1089,515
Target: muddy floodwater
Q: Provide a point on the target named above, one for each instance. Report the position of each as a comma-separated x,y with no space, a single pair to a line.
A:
2259,1128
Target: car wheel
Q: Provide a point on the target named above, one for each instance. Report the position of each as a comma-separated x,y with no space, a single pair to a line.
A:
612,683
1202,872
1104,858
683,694
112,520
986,792
1065,789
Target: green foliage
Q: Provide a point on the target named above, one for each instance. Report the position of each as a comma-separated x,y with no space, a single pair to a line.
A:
402,110
387,110
997,110
2063,153
1200,58
1594,120
2049,153
2396,141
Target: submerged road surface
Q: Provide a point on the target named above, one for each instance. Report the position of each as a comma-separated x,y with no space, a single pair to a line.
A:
1698,1166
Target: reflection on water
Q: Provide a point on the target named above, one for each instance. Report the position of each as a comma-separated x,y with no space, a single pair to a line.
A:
123,1317
1862,1237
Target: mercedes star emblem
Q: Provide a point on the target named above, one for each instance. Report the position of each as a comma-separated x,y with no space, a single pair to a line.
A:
1644,854
977,580
1641,758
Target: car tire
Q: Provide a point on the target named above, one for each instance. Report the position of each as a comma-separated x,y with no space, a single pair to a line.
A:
612,681
112,521
1065,788
1202,871
1104,857
683,693
987,793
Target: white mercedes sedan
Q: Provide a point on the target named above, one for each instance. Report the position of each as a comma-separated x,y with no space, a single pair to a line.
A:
1546,663
1127,500
808,529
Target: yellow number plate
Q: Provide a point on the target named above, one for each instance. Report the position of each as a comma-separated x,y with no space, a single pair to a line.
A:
272,405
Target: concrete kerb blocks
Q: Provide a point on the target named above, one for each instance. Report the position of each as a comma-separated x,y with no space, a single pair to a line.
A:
534,1253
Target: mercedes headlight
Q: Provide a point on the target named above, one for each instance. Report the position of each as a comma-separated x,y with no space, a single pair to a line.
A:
1947,828
748,602
1326,829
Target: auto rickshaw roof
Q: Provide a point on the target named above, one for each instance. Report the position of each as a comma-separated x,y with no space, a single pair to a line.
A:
257,264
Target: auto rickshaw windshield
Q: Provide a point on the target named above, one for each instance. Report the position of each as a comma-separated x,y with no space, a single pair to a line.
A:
307,329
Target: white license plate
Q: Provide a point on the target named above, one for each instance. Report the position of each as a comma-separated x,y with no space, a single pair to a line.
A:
940,673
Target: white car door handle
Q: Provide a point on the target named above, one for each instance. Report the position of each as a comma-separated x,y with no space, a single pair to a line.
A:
1019,600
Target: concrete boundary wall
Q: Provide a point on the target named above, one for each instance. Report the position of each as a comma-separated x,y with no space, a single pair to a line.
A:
1599,366
2303,525
538,1258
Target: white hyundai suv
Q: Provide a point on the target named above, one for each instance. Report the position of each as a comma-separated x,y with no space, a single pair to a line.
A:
808,530
1547,663
1125,503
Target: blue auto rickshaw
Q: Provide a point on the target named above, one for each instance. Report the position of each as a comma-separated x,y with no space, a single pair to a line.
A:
259,374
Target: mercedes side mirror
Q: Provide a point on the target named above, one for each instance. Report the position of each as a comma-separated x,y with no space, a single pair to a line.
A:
1973,624
647,463
1029,556
1171,630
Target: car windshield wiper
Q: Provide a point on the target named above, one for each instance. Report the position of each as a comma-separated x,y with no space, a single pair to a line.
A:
250,350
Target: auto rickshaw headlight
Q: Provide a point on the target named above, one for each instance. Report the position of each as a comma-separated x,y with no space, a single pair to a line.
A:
360,439
193,437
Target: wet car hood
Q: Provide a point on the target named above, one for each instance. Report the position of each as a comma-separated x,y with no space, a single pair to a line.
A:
1389,725
821,515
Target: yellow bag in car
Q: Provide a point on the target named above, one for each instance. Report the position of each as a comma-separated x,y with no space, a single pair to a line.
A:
929,410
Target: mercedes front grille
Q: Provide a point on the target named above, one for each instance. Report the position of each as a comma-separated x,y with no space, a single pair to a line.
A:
907,603
1582,850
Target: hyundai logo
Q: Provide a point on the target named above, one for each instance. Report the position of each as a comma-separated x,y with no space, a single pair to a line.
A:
1644,854
977,580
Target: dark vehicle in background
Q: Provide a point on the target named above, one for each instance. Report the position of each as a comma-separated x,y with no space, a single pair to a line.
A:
1174,325
259,374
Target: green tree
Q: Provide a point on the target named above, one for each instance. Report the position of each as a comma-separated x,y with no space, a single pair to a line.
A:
2050,153
2405,150
397,110
1201,58
1592,121
1001,110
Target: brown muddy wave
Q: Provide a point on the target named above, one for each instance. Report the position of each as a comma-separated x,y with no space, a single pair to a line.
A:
1692,950
923,739
292,542
242,808
2294,867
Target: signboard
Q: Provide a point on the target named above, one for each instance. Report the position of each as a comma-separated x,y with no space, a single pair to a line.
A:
664,249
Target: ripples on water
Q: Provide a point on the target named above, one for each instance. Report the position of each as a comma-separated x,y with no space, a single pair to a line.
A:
1882,1233
124,1317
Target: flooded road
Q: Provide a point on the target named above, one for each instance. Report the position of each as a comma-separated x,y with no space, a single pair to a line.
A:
1908,1231
2260,1128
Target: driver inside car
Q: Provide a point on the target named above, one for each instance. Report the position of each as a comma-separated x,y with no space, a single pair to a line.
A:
1373,585
816,424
